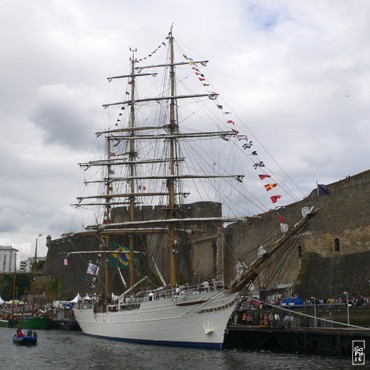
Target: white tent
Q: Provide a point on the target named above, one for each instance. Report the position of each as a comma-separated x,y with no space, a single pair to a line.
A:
1,301
76,299
86,298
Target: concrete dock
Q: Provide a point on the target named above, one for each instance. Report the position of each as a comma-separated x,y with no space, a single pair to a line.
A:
318,341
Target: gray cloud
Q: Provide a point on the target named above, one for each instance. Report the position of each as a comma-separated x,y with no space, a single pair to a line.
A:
64,116
294,74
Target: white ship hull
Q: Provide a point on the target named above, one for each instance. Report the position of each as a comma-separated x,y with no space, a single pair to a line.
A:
187,320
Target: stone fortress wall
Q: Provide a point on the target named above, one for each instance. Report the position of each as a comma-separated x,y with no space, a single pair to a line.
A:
331,256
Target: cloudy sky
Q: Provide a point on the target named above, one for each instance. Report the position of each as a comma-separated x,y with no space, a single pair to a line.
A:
295,72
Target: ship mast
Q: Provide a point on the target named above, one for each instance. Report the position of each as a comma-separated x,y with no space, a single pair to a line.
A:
167,133
34,278
171,181
132,171
106,221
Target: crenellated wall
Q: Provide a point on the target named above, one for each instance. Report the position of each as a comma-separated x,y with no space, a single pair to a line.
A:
195,251
330,256
339,232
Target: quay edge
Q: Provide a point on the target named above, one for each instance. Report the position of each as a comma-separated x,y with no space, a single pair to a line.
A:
316,341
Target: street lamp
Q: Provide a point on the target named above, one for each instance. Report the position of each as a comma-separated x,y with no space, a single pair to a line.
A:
346,294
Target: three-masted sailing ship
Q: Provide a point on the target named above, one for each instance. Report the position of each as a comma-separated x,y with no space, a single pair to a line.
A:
147,149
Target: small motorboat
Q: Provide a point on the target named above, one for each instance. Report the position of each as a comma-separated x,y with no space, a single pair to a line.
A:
26,340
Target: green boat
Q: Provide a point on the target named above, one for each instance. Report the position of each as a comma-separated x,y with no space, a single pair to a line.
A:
30,321
35,323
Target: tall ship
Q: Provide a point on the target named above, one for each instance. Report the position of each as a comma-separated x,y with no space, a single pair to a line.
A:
165,145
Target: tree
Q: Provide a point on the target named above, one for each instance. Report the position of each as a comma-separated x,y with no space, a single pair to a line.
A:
40,265
23,285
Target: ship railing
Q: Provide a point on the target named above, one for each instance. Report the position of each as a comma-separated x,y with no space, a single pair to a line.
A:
182,290
132,301
161,293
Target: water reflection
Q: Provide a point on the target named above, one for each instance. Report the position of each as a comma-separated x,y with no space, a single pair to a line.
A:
73,350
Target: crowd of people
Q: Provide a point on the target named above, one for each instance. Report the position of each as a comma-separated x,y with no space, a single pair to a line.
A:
268,319
254,312
355,301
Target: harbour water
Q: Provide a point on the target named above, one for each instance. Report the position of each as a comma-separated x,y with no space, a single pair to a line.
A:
57,349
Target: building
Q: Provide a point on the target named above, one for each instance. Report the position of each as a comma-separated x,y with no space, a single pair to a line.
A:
23,266
28,264
8,259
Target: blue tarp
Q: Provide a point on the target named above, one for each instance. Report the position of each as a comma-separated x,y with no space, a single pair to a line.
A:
290,301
